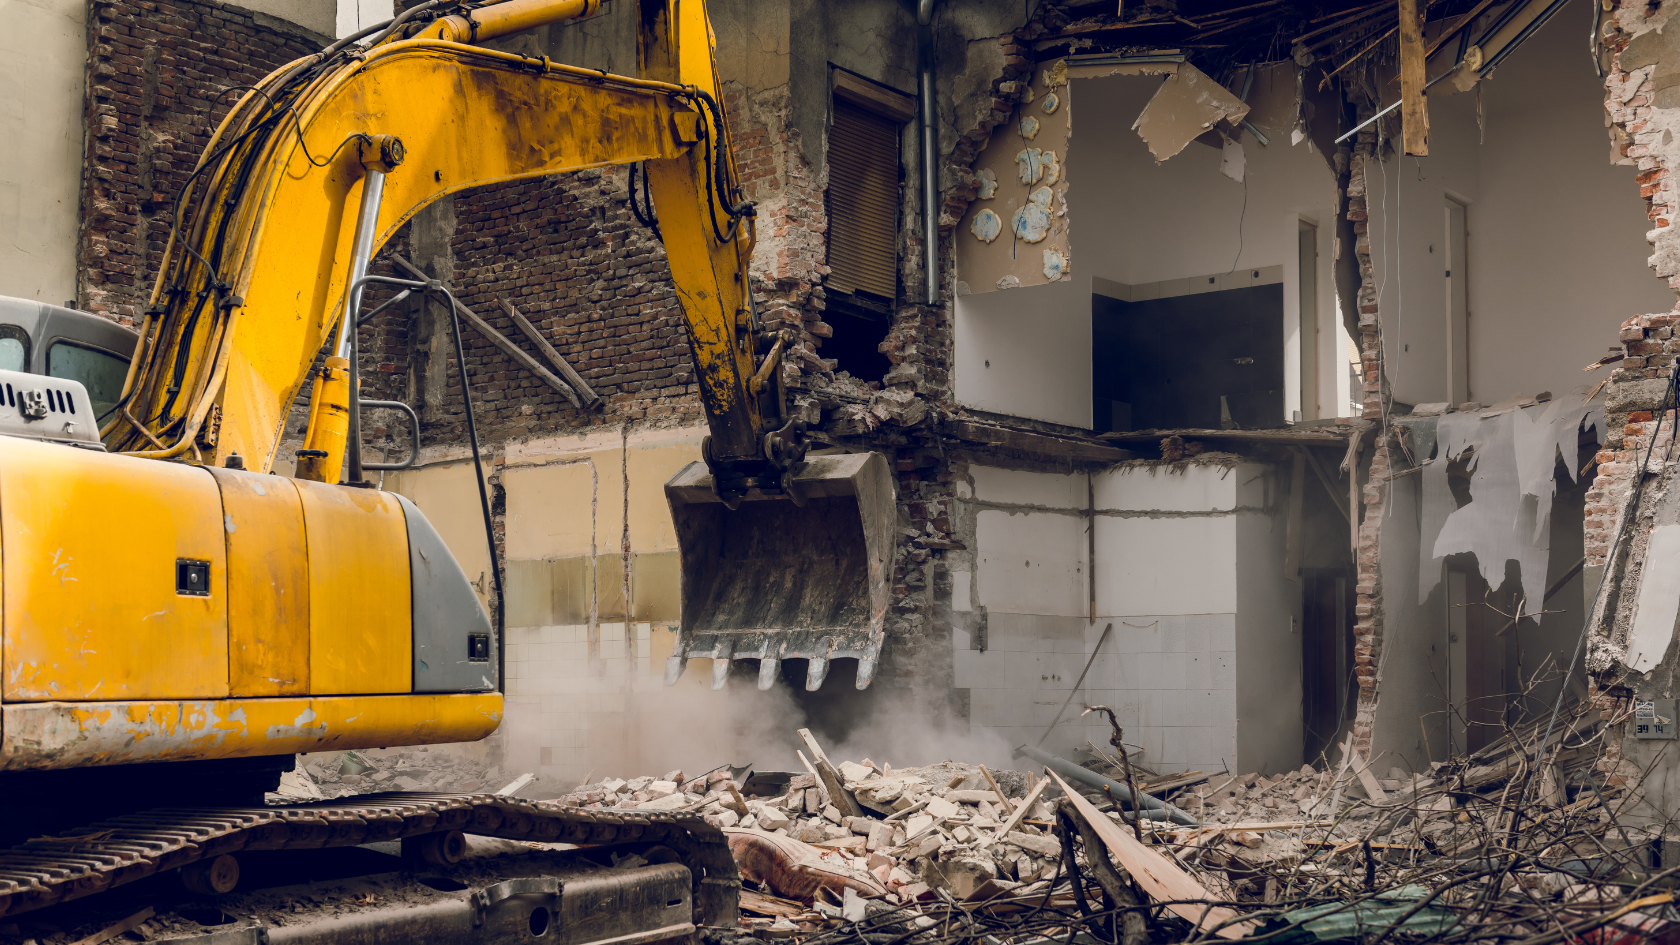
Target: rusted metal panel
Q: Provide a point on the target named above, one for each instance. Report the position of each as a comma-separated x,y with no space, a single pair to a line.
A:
49,735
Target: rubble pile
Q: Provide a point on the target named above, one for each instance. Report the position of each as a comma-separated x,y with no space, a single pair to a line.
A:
1488,847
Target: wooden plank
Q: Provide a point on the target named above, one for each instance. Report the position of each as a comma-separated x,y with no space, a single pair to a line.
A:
110,932
1038,443
841,798
1015,818
1160,878
590,398
498,339
1414,107
1302,438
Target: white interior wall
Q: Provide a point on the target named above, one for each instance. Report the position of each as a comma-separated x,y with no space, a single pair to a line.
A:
1186,613
355,15
43,56
1135,222
1270,734
1556,247
1140,221
1027,352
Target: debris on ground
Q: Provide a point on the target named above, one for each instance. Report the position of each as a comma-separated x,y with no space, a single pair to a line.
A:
1489,847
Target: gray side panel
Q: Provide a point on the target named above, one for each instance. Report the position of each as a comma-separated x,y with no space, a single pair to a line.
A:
47,323
446,612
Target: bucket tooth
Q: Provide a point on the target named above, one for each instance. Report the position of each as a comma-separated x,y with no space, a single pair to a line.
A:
720,672
865,673
674,666
775,580
816,671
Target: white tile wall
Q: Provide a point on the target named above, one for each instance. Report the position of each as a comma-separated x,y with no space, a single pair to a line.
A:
1167,678
1031,563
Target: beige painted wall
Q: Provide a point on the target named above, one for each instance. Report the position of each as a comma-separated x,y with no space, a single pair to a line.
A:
43,52
579,678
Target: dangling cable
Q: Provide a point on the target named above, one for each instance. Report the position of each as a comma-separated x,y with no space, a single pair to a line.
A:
647,219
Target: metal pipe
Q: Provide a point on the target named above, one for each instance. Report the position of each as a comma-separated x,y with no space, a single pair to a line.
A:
1068,769
930,149
1367,122
373,191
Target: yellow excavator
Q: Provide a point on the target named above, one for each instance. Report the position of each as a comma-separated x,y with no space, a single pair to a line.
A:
174,607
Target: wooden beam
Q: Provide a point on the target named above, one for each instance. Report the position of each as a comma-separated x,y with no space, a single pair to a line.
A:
1303,438
1039,443
498,339
1414,107
590,398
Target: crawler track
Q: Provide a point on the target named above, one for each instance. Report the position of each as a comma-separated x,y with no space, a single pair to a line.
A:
93,859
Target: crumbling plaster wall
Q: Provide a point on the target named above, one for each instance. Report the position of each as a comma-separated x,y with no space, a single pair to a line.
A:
1637,137
1129,219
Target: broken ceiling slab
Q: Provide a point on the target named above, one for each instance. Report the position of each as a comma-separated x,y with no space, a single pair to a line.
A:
1098,66
1187,104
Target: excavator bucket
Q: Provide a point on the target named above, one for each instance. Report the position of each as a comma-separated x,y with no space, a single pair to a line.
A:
786,578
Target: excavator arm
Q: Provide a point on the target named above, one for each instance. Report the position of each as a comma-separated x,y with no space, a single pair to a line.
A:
324,160
258,270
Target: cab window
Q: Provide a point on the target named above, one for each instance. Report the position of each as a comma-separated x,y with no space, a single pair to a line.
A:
100,372
14,348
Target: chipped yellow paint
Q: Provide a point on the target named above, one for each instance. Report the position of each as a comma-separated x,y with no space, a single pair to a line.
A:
70,734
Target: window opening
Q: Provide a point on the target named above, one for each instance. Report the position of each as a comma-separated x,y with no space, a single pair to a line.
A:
864,197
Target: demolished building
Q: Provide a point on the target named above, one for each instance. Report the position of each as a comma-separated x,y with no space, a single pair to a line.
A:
1208,393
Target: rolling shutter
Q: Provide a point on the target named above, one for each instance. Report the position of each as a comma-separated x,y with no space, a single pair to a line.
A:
863,201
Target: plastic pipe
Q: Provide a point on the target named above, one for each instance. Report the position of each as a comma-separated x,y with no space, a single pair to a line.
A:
1068,769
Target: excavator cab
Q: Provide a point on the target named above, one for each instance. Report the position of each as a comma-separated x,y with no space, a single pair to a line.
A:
798,573
55,341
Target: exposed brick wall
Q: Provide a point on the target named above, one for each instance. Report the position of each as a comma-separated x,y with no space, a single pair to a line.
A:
157,71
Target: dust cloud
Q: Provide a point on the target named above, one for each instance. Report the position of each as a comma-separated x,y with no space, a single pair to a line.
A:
652,729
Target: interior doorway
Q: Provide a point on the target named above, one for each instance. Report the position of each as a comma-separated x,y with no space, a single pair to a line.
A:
1480,655
1327,682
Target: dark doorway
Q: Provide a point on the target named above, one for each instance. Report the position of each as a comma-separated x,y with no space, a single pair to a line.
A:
1327,684
1483,647
1212,360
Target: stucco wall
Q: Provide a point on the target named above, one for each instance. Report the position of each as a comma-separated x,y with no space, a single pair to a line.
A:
42,63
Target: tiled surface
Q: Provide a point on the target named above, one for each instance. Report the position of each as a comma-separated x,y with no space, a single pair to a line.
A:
1170,679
